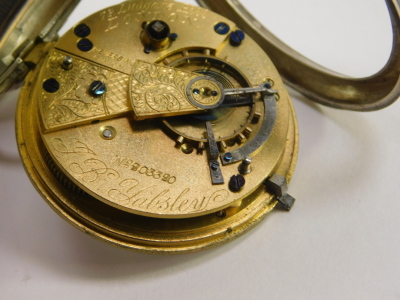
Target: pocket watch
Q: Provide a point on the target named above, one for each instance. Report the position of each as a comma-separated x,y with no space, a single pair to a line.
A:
162,127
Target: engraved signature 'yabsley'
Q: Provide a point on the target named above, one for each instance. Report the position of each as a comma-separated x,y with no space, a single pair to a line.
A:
130,194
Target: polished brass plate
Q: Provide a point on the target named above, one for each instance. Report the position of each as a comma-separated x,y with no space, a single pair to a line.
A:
148,185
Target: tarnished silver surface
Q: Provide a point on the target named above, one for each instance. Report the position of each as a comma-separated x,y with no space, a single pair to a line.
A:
241,91
314,81
277,185
215,170
37,21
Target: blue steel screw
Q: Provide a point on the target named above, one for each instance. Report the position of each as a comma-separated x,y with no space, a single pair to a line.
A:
85,45
228,156
82,30
221,28
236,38
97,88
51,85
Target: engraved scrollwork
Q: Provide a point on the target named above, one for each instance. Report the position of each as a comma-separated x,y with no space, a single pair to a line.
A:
75,103
77,147
144,73
158,89
167,75
72,103
162,98
92,169
181,79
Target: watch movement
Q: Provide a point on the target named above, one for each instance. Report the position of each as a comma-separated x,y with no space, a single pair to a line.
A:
154,126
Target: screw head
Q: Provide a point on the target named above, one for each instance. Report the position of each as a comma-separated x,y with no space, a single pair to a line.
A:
236,38
236,183
97,88
85,45
51,85
82,30
228,156
214,165
173,36
221,28
268,85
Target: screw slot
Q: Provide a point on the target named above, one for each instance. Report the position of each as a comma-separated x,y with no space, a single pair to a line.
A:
236,183
97,88
85,45
82,30
214,165
51,85
221,28
236,38
228,156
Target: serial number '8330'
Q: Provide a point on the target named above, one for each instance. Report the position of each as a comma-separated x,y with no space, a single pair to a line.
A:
143,170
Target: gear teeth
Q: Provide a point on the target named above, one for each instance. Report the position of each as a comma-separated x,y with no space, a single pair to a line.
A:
61,178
